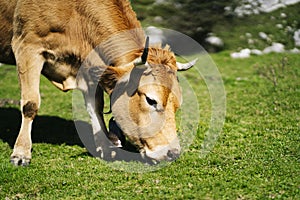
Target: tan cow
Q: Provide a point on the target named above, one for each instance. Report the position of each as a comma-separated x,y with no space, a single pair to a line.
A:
54,38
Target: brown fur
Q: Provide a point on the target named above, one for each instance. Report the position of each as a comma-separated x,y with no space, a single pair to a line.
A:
163,56
81,24
162,59
6,31
151,127
55,37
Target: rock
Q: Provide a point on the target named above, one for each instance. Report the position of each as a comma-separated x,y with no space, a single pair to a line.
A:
256,52
283,15
280,26
250,41
158,19
248,35
297,37
244,53
295,50
250,7
275,47
263,36
160,2
215,41
156,35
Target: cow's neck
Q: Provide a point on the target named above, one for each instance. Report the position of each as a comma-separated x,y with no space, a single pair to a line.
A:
113,30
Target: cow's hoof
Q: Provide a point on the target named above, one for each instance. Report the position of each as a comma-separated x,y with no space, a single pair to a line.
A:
115,134
115,140
20,160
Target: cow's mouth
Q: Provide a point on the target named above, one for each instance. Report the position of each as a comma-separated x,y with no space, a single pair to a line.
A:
164,154
160,153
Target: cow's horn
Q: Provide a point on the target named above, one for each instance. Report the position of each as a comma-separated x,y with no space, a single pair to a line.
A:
145,52
185,66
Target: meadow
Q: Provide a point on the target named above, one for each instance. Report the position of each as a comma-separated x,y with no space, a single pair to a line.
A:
256,156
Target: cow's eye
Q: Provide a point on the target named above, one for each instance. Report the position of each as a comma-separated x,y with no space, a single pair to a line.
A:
150,101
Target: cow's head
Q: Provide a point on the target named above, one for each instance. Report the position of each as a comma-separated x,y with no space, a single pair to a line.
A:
144,98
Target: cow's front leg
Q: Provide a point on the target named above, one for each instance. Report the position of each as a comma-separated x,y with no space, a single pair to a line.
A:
94,103
29,71
115,134
105,142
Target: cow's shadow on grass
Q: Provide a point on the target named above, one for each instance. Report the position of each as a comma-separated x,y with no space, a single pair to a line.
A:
55,130
46,129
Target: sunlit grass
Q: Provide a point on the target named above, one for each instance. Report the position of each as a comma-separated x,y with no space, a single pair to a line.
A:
257,156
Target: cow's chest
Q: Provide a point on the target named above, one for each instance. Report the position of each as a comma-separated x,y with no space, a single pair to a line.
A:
61,70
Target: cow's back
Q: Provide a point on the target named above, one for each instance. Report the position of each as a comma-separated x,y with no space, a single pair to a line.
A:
61,25
7,8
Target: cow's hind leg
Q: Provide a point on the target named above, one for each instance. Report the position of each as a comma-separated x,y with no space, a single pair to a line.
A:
29,64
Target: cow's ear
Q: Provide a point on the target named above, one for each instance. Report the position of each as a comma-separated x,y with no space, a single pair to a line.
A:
109,78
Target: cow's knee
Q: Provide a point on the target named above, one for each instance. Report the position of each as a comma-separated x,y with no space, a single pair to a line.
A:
30,109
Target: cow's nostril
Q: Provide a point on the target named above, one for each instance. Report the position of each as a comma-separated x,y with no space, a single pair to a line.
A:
173,154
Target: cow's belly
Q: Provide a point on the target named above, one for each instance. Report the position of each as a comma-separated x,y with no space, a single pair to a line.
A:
6,30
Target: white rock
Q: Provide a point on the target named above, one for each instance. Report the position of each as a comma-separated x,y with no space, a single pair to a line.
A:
295,50
271,8
248,35
235,55
159,2
283,15
290,2
256,52
249,7
156,35
178,5
215,41
280,26
250,41
158,19
263,35
255,11
199,29
276,47
297,37
289,29
244,53
228,9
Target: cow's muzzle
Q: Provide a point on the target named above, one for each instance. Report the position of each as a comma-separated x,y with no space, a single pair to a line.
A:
164,154
173,154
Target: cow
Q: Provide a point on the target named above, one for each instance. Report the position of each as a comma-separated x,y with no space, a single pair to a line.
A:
55,38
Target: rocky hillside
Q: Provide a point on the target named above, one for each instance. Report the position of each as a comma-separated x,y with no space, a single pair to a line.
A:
227,25
261,30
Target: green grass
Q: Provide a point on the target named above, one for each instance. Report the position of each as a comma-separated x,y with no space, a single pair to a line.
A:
257,155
